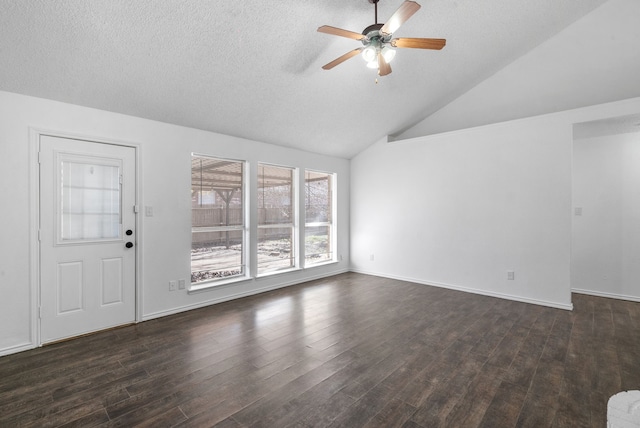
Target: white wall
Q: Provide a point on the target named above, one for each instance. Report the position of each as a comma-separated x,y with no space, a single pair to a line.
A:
461,209
606,236
164,238
595,60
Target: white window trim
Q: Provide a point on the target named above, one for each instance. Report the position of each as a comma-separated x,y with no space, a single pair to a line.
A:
295,224
332,224
214,283
246,275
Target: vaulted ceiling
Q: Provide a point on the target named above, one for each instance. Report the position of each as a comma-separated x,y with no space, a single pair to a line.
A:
252,68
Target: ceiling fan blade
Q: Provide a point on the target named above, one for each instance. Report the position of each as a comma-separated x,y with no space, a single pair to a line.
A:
327,29
400,16
341,59
383,66
417,43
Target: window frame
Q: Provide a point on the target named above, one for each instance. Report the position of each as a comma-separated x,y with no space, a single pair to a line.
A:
294,225
331,222
245,273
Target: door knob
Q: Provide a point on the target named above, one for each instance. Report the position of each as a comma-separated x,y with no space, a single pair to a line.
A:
129,232
129,244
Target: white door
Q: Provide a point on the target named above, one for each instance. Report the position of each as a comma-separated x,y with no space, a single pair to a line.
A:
87,237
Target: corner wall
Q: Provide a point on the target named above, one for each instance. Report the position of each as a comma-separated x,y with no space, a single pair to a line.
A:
165,238
461,209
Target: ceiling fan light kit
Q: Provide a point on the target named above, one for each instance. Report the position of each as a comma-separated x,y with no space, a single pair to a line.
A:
388,53
378,50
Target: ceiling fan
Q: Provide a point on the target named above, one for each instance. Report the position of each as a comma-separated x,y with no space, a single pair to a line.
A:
377,40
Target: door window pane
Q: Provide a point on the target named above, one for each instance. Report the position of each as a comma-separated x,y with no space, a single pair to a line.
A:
90,201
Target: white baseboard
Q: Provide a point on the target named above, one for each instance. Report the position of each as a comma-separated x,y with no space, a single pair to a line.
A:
17,348
230,297
557,305
605,294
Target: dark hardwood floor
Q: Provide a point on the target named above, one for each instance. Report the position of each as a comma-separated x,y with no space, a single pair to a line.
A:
347,351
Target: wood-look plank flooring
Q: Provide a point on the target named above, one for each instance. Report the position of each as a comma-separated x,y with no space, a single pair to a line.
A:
347,351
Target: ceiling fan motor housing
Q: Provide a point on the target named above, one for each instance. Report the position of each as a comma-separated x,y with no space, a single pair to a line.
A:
372,27
374,38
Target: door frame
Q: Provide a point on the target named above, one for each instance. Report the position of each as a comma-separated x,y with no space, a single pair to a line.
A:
34,221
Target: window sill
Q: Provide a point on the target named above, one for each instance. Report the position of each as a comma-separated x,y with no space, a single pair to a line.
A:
277,272
206,286
328,262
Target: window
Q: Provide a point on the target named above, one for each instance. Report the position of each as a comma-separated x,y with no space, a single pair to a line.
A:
218,232
90,193
319,241
276,218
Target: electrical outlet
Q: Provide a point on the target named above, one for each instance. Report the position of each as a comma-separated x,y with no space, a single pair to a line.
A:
182,284
511,275
371,257
172,285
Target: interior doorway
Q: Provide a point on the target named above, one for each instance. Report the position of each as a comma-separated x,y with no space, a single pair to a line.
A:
605,247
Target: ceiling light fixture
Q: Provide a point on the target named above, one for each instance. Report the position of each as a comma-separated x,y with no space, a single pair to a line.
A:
377,39
369,53
388,53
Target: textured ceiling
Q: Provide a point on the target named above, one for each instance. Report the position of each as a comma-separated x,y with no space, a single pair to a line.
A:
252,68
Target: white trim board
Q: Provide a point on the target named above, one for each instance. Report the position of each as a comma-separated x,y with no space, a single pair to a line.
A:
556,305
17,348
607,295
